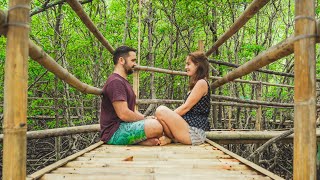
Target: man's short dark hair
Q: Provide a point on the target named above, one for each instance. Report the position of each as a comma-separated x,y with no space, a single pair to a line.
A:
122,51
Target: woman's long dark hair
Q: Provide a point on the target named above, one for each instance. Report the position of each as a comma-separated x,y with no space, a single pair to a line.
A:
201,61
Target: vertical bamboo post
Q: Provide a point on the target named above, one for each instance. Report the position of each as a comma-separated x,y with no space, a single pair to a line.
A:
136,72
259,110
15,91
200,45
229,117
304,166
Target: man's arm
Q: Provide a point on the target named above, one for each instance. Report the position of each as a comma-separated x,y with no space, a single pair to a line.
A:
124,113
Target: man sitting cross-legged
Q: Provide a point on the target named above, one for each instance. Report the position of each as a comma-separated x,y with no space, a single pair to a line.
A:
120,124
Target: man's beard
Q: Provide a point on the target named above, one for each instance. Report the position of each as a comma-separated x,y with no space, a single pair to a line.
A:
128,70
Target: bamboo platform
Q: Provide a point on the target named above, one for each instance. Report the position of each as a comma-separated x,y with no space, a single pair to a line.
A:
174,161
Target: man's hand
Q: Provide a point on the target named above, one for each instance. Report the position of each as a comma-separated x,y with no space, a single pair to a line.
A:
150,117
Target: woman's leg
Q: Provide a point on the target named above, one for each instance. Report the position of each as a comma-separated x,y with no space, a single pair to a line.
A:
178,127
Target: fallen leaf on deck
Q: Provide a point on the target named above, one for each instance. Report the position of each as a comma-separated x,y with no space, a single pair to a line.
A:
130,158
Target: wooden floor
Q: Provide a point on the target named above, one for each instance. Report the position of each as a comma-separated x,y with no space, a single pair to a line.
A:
174,161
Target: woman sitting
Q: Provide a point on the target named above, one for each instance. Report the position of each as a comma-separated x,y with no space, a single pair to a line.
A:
187,124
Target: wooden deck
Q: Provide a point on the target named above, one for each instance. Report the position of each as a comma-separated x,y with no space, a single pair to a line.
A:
174,161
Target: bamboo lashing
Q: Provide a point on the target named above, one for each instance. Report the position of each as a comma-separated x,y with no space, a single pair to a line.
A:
76,6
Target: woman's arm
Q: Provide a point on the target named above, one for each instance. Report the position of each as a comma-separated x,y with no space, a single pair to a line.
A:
198,91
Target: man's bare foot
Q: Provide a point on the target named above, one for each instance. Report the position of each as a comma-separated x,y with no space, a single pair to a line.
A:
150,142
164,140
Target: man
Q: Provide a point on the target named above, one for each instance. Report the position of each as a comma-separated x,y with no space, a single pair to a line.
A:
119,122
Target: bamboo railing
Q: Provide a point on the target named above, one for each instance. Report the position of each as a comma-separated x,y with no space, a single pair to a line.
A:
303,43
37,54
274,53
60,131
76,6
251,10
221,136
259,70
182,73
15,91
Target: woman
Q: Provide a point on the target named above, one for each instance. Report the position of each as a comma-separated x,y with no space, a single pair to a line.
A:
188,123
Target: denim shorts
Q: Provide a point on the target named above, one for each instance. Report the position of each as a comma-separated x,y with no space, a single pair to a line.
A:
129,133
197,136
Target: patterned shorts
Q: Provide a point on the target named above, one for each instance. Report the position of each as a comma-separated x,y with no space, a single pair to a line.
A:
129,133
198,136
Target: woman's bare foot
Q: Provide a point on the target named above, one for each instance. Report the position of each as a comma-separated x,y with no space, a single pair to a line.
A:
164,140
150,142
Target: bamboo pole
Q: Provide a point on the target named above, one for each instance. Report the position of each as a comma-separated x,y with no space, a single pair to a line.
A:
170,101
274,53
37,54
262,103
61,131
136,78
15,91
221,136
167,71
251,136
304,166
251,10
200,45
259,110
76,6
259,70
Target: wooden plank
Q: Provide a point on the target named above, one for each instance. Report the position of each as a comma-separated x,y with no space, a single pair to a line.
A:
157,155
244,161
62,162
162,170
148,176
128,164
146,158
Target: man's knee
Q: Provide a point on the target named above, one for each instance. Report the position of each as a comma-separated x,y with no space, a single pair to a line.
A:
161,110
153,128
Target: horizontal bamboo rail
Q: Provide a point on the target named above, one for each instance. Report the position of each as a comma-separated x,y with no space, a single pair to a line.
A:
250,11
169,101
76,6
60,131
219,136
262,103
248,137
37,54
173,72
